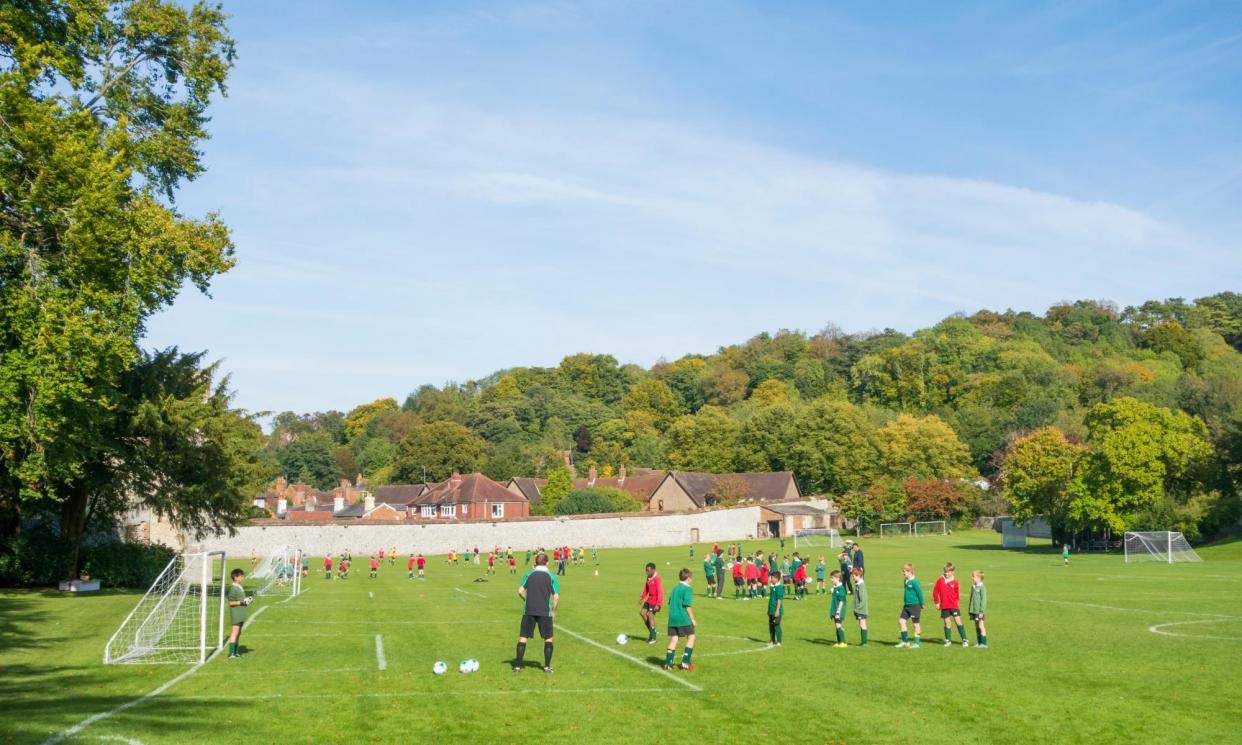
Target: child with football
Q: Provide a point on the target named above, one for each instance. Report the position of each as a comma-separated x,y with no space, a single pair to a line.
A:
650,600
238,602
680,622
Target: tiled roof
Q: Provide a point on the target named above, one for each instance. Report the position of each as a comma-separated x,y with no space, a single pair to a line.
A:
467,489
767,486
399,493
305,515
529,488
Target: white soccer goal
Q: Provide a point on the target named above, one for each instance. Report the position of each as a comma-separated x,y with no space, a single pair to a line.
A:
931,527
280,572
172,622
1158,545
888,530
817,537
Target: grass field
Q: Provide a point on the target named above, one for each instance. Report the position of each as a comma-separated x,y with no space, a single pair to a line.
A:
1097,652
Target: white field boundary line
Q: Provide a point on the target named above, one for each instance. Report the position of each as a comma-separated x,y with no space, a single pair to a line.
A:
467,592
75,729
1159,629
369,595
631,658
424,693
1138,610
379,652
299,671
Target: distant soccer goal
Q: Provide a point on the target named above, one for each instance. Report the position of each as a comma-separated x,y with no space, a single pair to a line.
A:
279,573
1158,545
817,538
931,527
173,622
888,530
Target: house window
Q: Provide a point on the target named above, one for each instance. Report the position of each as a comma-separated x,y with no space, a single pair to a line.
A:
465,508
448,510
429,511
498,510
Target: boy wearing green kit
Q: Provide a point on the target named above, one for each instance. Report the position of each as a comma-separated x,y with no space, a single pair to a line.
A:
911,609
235,595
680,621
837,610
821,571
860,603
776,608
978,606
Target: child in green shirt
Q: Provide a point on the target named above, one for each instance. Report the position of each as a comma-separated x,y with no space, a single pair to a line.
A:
821,570
837,610
680,621
978,606
776,609
236,597
911,608
860,603
709,571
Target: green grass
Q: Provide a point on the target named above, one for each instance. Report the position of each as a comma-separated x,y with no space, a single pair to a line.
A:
1085,668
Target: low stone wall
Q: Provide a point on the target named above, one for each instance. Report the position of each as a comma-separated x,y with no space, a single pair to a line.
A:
632,530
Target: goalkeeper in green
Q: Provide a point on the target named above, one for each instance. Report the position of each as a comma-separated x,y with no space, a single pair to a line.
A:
238,603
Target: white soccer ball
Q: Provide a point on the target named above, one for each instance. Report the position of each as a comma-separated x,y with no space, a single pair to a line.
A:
474,665
464,666
439,668
622,638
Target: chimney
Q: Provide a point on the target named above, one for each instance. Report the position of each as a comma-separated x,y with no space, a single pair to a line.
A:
281,506
368,503
591,477
281,483
456,477
621,475
338,504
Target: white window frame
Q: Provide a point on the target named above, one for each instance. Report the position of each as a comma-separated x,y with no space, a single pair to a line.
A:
448,510
498,510
465,509
428,511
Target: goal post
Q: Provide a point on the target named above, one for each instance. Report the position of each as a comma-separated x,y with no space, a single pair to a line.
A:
169,624
931,527
888,530
280,572
817,537
1165,546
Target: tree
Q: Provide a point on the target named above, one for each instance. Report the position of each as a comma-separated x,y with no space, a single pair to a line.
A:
923,448
835,448
706,441
727,489
656,399
1139,453
309,459
358,419
1035,474
560,484
440,448
103,106
943,498
771,392
595,501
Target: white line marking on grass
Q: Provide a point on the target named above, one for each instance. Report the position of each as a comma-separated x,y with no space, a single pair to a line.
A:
764,648
1159,629
1160,611
635,660
118,738
75,729
370,595
379,652
298,671
420,694
476,594
386,623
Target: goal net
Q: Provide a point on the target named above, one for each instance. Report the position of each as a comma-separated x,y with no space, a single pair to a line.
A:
817,537
280,572
173,621
888,530
931,527
1158,545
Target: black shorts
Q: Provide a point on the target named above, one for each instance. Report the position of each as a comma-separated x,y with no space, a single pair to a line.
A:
976,617
711,580
950,612
738,581
651,608
912,612
680,630
861,616
774,620
528,626
800,583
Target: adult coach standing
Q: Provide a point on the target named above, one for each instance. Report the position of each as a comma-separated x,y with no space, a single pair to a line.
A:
857,555
541,593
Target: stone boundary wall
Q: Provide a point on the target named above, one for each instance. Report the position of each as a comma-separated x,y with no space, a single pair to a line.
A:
625,530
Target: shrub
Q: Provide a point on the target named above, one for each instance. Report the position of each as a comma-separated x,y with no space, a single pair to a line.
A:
117,564
595,501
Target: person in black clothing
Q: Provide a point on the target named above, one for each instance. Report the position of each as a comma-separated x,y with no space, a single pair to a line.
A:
541,593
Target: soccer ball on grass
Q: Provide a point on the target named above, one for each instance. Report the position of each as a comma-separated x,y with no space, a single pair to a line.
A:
622,638
439,668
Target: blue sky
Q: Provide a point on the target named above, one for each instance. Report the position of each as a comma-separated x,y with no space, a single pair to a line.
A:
424,192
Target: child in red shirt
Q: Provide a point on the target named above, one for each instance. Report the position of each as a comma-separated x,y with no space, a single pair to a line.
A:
374,567
409,565
421,563
738,579
947,596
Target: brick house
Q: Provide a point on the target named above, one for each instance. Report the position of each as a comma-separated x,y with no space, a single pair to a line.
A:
681,491
470,496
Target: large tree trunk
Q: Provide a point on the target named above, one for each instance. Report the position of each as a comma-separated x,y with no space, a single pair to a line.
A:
73,527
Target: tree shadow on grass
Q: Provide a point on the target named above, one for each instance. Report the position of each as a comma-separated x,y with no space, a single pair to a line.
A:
55,709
